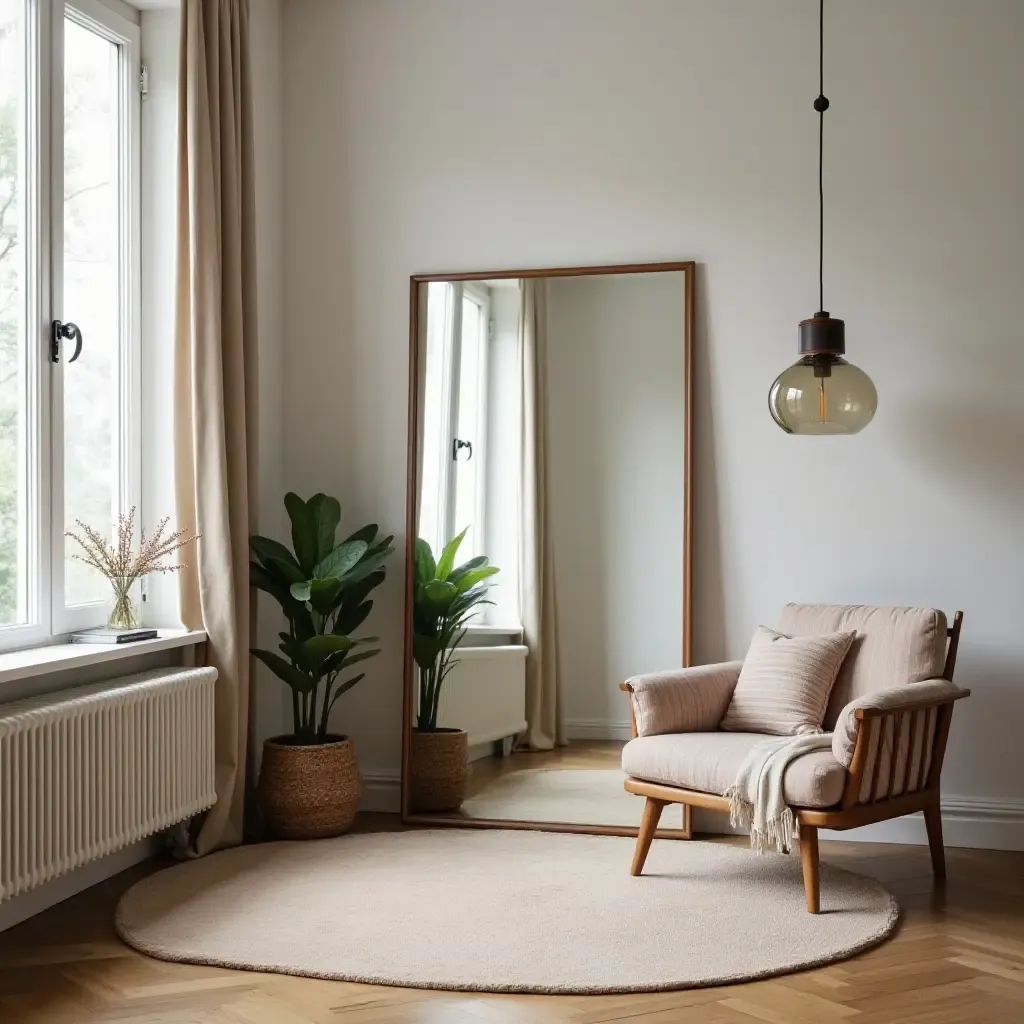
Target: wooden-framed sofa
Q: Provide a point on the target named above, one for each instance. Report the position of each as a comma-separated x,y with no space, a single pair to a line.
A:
889,711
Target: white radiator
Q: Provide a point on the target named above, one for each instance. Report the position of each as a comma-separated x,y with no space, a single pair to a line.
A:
485,693
88,770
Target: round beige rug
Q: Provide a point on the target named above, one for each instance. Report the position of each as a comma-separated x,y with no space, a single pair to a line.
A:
502,911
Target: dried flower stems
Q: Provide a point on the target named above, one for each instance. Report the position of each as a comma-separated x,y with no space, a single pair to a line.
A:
121,565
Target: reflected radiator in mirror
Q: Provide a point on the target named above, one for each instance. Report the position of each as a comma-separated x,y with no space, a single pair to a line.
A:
485,694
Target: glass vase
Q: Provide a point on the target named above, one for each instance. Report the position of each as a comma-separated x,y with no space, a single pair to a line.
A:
123,615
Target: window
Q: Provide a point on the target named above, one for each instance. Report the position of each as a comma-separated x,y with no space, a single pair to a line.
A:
455,416
69,252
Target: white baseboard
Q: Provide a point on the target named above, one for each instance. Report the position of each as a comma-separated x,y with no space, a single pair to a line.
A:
971,822
33,902
382,790
597,729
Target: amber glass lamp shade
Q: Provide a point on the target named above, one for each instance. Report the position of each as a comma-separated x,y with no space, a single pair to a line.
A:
804,400
822,393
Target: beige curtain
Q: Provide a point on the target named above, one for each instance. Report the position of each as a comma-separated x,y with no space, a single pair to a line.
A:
215,372
545,714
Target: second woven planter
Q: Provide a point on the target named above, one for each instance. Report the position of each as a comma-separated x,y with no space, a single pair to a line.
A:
438,769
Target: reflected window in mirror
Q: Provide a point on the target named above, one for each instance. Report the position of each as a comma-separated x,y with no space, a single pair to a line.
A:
471,428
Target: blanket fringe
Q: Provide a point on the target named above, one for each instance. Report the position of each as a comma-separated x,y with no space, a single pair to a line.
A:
778,832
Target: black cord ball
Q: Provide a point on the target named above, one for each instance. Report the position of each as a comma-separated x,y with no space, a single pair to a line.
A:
821,104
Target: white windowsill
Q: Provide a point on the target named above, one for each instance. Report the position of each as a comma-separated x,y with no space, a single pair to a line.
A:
513,631
38,661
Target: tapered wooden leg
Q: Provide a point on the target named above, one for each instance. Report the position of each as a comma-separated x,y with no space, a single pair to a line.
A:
809,862
648,826
933,823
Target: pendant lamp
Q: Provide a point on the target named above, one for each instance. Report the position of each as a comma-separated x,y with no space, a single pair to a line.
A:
822,393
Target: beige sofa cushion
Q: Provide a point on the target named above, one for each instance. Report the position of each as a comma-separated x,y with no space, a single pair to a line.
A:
710,761
684,699
894,646
784,685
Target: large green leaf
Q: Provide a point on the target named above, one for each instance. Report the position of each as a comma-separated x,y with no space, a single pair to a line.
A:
352,659
323,595
328,643
356,592
285,671
426,570
438,595
326,512
319,648
302,591
459,571
469,599
305,535
263,580
447,560
266,548
367,533
288,571
350,619
475,576
339,561
368,565
425,650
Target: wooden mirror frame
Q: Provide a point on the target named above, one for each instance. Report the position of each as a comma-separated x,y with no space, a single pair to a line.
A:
687,268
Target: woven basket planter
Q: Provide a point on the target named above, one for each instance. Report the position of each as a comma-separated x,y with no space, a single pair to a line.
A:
438,769
309,792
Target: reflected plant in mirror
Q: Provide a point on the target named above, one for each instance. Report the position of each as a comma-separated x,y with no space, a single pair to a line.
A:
445,598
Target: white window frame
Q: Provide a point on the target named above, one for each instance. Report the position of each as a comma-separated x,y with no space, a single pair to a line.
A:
48,616
480,295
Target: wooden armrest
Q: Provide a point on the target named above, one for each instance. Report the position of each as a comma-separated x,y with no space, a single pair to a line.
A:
627,688
867,764
917,705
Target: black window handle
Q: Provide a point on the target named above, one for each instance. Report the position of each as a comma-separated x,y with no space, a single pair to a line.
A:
69,331
458,445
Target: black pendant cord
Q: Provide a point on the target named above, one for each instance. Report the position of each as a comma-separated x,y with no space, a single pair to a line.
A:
821,105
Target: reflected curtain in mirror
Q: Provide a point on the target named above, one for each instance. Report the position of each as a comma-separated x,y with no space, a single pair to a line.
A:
545,712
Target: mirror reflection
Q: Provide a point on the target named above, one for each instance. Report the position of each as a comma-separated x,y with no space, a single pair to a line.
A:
550,565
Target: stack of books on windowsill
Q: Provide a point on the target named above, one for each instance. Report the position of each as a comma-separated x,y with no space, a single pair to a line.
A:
106,635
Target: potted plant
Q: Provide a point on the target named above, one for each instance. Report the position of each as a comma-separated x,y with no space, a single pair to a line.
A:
309,785
445,598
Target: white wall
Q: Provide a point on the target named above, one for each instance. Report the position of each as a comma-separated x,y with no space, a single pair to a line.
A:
683,129
615,429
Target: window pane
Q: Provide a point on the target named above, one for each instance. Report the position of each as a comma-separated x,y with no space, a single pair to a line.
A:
469,466
13,320
435,444
92,294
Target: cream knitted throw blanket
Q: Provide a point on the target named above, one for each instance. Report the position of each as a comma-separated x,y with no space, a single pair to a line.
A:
756,798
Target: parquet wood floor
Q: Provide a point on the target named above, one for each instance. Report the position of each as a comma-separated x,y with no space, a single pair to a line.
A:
958,958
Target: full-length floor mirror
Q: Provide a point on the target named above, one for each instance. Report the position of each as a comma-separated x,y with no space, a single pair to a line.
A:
549,526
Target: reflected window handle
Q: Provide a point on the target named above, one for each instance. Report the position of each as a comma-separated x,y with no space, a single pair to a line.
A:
457,444
59,330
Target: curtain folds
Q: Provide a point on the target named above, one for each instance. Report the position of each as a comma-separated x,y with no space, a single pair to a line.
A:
215,373
545,713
